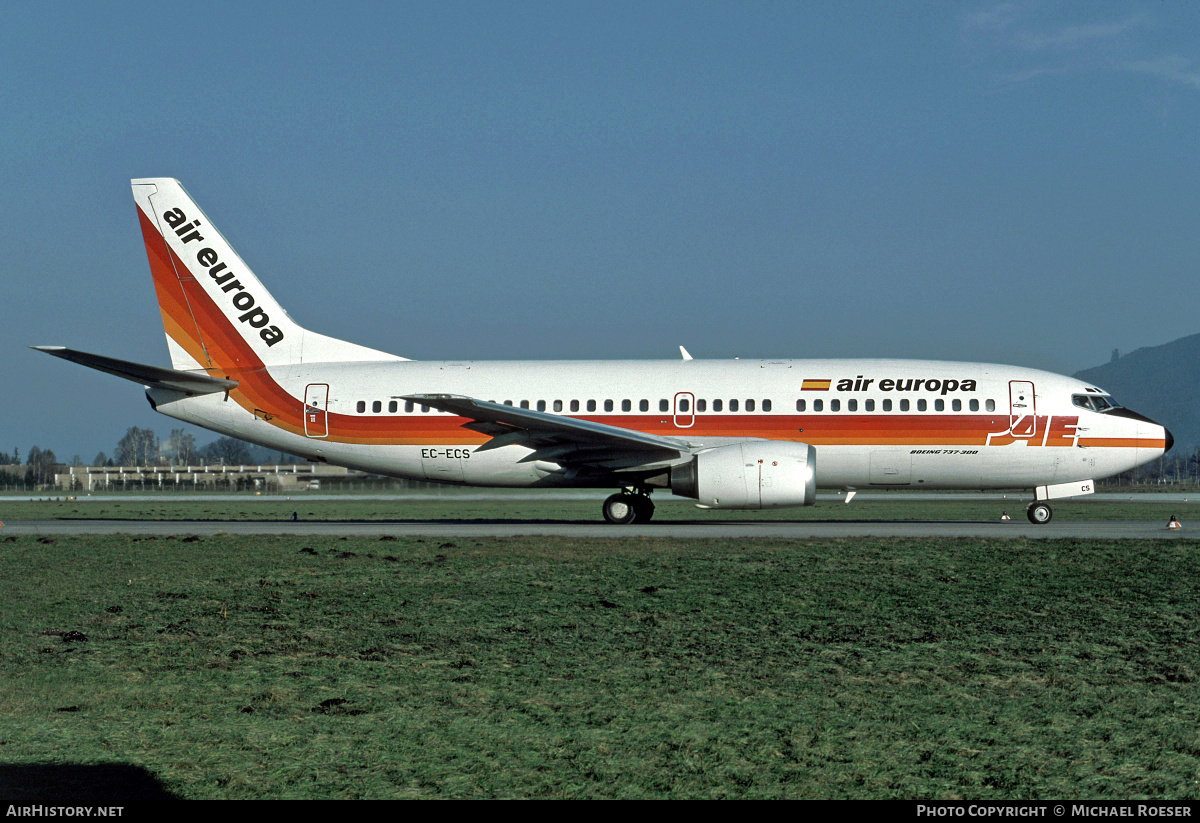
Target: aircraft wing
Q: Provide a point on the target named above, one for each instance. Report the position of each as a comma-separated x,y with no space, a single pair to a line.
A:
577,440
181,381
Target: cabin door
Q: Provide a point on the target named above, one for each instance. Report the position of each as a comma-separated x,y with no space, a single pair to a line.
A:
1022,409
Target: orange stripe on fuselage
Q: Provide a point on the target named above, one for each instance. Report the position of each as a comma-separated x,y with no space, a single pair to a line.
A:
825,430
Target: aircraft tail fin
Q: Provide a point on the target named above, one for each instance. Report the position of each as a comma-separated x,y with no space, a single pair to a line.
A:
216,313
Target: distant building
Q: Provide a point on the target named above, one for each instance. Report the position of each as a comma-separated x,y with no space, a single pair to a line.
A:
290,477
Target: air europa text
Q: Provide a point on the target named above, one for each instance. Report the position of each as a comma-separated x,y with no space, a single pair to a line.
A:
860,383
243,301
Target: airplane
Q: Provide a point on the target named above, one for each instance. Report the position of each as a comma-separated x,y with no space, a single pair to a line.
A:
729,434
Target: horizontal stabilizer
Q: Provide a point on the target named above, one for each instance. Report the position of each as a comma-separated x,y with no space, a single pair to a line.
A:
181,381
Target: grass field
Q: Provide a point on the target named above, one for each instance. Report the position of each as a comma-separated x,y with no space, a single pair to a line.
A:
532,507
264,667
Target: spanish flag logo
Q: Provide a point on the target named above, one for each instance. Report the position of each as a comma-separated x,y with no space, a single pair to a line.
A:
815,385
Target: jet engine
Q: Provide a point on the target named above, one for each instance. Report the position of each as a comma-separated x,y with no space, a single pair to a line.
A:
756,474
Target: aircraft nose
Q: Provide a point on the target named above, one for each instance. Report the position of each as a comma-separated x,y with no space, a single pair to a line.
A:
1170,440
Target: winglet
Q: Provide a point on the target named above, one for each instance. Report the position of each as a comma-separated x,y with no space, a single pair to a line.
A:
685,354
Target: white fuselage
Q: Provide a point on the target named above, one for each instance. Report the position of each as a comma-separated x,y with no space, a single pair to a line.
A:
873,423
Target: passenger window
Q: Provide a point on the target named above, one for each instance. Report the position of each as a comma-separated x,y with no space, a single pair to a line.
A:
749,405
904,405
801,405
991,405
361,406
974,405
818,405
644,405
626,405
591,405
524,404
684,405
922,405
391,407
424,409
574,405
887,405
541,406
718,405
851,405
766,406
664,405
701,405
608,405
835,405
558,405
939,405
733,405
869,405
408,406
956,405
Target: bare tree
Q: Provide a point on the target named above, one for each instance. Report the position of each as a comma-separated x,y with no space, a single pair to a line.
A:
40,467
227,450
139,447
180,447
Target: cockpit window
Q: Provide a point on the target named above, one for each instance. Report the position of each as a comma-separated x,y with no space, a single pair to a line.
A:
1095,402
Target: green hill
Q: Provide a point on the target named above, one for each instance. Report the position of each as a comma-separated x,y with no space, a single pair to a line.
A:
1161,382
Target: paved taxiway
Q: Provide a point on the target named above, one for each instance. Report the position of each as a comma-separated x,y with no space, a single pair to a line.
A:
1140,530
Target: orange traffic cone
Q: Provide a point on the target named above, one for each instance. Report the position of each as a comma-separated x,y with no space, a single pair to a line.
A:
1173,523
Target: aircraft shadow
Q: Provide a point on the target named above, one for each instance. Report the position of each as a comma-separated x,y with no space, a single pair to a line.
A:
92,784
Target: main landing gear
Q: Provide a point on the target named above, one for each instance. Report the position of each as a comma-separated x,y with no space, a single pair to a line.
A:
629,506
1038,513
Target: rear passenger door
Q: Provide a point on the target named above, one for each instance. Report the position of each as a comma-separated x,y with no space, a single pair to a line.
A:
316,401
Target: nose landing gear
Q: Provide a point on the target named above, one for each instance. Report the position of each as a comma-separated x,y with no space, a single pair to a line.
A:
629,506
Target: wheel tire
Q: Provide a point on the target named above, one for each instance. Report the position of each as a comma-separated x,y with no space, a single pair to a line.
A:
620,509
645,508
1039,514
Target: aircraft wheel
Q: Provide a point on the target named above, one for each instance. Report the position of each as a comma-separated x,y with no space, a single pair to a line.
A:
1039,513
621,509
644,507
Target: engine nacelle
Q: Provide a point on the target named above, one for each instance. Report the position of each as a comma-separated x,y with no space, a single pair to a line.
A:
758,474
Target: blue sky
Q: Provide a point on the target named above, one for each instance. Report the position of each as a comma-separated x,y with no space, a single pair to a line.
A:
1011,182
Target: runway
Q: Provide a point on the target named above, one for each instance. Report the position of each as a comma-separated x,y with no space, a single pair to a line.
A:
575,494
1014,529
